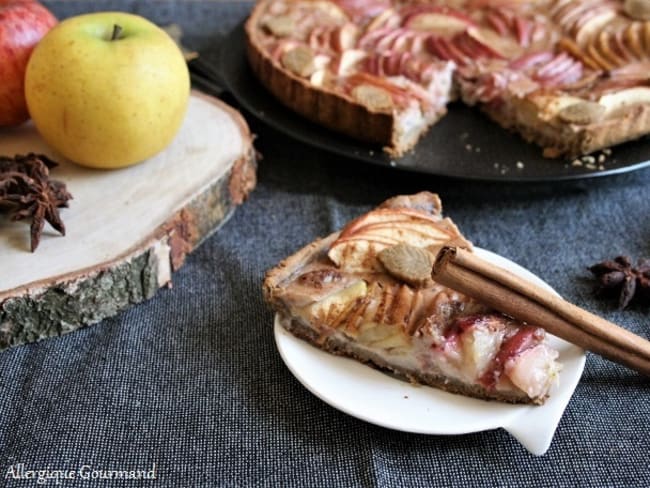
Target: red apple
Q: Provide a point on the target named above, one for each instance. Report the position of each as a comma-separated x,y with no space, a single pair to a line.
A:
22,24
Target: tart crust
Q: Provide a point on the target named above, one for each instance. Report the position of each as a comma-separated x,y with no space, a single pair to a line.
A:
559,138
339,347
323,106
341,112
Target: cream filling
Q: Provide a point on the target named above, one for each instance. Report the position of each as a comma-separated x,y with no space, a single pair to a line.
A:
413,354
410,124
532,372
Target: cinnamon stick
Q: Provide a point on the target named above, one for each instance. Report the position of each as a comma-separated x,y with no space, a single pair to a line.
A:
500,289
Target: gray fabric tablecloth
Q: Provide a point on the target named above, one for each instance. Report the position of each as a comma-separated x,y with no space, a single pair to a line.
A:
191,380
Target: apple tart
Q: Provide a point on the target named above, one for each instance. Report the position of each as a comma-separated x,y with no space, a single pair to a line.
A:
571,76
362,293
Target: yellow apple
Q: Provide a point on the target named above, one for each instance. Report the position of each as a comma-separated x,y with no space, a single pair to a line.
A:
108,89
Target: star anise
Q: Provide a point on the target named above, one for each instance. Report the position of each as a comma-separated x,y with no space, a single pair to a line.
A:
27,192
619,274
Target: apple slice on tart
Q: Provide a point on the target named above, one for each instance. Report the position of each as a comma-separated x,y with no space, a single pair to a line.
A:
361,294
359,72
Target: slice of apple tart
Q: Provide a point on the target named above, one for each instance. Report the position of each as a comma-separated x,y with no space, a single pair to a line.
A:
362,293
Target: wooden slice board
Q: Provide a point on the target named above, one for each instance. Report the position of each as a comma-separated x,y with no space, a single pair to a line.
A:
126,230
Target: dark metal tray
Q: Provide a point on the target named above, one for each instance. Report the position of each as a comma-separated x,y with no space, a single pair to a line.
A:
464,144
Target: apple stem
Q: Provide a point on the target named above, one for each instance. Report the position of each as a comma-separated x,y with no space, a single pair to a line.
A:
117,30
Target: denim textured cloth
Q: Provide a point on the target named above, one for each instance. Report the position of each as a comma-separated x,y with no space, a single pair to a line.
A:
191,380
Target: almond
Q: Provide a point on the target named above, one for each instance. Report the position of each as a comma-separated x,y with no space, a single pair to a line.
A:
582,113
637,9
299,60
281,26
373,97
407,263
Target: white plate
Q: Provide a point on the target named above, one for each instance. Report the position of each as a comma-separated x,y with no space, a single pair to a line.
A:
376,397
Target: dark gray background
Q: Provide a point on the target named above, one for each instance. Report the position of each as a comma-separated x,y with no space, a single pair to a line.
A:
191,380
